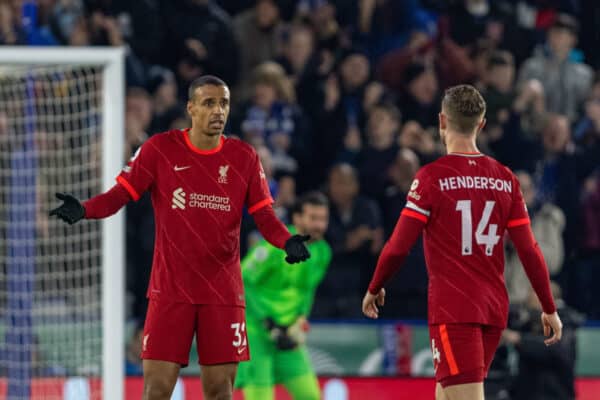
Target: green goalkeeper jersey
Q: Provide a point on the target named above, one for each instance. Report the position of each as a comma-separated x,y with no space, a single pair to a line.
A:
280,290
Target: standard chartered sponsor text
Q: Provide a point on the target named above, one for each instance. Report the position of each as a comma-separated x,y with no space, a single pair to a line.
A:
209,201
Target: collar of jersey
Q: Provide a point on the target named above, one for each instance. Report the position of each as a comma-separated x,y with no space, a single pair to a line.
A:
186,137
456,153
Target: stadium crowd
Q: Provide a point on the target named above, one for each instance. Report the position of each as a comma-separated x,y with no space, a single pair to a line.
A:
343,96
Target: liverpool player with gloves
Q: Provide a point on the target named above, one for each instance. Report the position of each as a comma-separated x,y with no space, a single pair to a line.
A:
199,182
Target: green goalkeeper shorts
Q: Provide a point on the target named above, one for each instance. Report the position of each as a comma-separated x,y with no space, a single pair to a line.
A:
269,366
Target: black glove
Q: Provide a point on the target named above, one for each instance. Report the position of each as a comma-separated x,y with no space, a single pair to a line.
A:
279,335
71,209
296,249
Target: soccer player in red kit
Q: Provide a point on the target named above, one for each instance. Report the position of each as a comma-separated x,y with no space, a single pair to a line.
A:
199,182
464,202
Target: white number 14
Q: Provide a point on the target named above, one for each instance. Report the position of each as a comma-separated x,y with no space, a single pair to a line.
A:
489,240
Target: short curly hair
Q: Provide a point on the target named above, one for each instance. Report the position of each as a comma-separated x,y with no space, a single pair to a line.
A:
464,106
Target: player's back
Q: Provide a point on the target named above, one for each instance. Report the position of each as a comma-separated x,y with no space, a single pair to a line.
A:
469,199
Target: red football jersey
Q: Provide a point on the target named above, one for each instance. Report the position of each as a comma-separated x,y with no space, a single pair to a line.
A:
467,202
198,199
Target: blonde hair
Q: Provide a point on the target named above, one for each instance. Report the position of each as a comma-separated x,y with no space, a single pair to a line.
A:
272,74
464,106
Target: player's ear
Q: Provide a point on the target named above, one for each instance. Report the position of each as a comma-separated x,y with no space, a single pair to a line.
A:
481,125
442,121
190,108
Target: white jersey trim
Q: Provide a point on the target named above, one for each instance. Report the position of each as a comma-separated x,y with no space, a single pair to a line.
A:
413,206
466,154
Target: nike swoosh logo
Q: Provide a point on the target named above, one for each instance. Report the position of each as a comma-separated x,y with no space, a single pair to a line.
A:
241,350
182,168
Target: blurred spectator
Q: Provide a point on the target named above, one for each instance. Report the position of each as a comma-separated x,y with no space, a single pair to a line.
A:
103,30
283,191
376,157
133,352
514,137
307,67
408,291
36,21
468,20
298,50
138,116
566,80
139,228
480,54
142,25
165,105
11,30
586,296
201,41
386,25
355,234
545,373
343,116
65,16
587,130
499,93
139,22
272,118
530,107
399,178
547,223
258,32
450,62
420,101
414,137
322,17
561,172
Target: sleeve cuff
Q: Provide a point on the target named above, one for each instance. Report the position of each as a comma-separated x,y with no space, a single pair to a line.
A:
132,192
414,214
517,222
259,205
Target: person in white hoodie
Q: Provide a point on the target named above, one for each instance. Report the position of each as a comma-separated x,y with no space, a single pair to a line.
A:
557,65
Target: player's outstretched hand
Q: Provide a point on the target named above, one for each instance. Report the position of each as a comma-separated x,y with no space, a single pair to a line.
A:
296,250
371,301
552,324
70,210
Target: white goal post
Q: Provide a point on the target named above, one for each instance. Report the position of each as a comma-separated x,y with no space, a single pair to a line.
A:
108,63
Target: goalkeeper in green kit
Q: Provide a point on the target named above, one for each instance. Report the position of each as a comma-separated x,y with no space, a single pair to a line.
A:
278,301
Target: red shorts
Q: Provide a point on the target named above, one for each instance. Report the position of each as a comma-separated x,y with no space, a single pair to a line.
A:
220,333
462,353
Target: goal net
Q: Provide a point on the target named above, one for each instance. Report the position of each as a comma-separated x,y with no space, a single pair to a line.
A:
55,136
